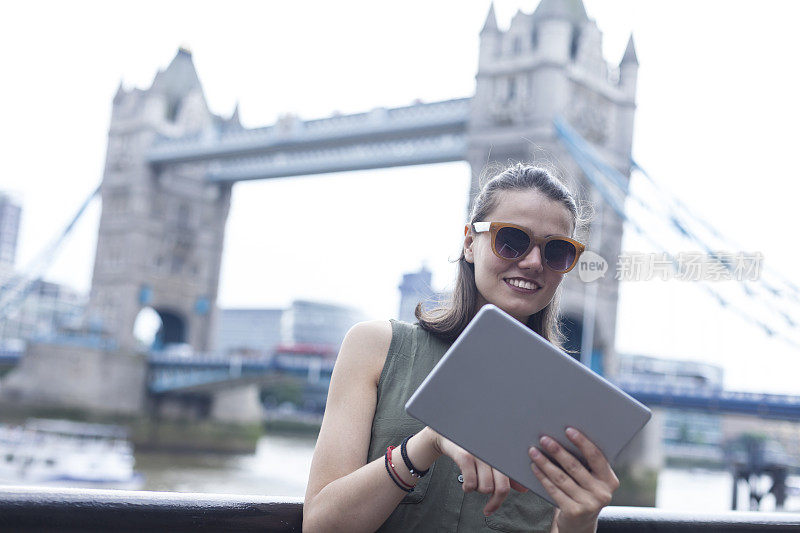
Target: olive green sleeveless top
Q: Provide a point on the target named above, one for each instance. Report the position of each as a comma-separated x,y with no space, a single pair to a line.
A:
437,503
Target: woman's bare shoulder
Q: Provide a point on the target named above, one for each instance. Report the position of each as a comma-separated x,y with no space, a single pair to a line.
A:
372,332
367,343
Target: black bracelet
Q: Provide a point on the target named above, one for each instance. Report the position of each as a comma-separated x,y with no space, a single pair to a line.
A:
407,461
388,471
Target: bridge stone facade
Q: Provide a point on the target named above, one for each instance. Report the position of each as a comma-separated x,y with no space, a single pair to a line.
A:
161,232
171,163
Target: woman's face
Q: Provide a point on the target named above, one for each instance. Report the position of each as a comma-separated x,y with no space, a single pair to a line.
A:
495,277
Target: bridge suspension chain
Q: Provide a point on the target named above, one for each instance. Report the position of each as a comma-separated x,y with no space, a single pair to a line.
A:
614,190
14,292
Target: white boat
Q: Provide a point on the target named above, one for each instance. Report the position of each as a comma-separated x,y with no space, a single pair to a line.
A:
67,454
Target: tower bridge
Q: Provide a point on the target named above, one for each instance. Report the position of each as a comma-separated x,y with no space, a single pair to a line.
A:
171,164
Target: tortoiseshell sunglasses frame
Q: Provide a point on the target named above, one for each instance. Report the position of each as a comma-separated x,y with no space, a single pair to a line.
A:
494,227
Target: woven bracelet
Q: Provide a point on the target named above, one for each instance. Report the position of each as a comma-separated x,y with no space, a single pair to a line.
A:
411,468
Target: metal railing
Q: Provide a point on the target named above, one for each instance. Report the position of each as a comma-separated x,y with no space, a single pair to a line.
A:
24,509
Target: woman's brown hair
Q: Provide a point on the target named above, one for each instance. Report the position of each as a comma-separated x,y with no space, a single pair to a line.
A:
449,319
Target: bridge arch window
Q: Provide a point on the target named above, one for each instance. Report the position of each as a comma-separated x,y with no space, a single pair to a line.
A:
183,216
511,93
516,46
158,329
173,108
573,50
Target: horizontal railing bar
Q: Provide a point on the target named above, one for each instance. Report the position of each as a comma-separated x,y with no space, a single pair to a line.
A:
24,509
639,519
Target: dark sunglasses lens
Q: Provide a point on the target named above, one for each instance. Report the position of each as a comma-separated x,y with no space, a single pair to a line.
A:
511,243
559,254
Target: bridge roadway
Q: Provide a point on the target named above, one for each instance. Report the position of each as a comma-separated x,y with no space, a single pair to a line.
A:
421,133
170,374
176,374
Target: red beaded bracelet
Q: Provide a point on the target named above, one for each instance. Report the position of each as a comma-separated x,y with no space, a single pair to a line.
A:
389,461
388,471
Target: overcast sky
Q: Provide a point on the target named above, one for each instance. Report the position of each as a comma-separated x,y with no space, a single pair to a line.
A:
716,125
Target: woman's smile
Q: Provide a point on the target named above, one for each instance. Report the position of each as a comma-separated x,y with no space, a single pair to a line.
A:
522,285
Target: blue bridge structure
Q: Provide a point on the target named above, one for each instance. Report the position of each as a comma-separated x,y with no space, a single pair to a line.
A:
173,375
178,374
170,374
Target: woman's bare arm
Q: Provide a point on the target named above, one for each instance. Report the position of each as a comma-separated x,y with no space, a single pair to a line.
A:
344,493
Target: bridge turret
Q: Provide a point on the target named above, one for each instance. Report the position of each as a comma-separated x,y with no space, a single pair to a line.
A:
161,229
588,51
490,38
558,25
554,37
177,98
234,121
628,73
120,94
629,70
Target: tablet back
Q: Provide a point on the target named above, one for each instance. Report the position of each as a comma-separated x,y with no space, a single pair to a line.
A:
500,387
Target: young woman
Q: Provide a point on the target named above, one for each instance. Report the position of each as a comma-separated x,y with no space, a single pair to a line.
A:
374,467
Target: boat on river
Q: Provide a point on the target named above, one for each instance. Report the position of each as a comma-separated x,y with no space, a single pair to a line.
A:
67,454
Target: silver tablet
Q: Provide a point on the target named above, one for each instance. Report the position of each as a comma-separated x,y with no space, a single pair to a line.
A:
500,387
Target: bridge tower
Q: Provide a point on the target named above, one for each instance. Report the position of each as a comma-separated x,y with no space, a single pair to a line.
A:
549,63
161,232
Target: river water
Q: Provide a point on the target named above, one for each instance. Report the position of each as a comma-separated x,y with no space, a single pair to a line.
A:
281,464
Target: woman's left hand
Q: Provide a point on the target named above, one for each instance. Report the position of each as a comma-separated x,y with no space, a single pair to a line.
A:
579,493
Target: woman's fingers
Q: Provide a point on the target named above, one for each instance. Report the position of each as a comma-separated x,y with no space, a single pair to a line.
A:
465,461
568,462
485,477
556,476
470,473
502,486
580,492
597,461
559,496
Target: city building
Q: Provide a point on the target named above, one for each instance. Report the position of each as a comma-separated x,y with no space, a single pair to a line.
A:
248,331
47,310
307,322
304,323
10,211
414,289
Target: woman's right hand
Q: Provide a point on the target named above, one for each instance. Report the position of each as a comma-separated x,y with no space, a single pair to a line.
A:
477,474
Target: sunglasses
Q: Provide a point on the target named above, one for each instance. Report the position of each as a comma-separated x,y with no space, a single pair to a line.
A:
512,242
